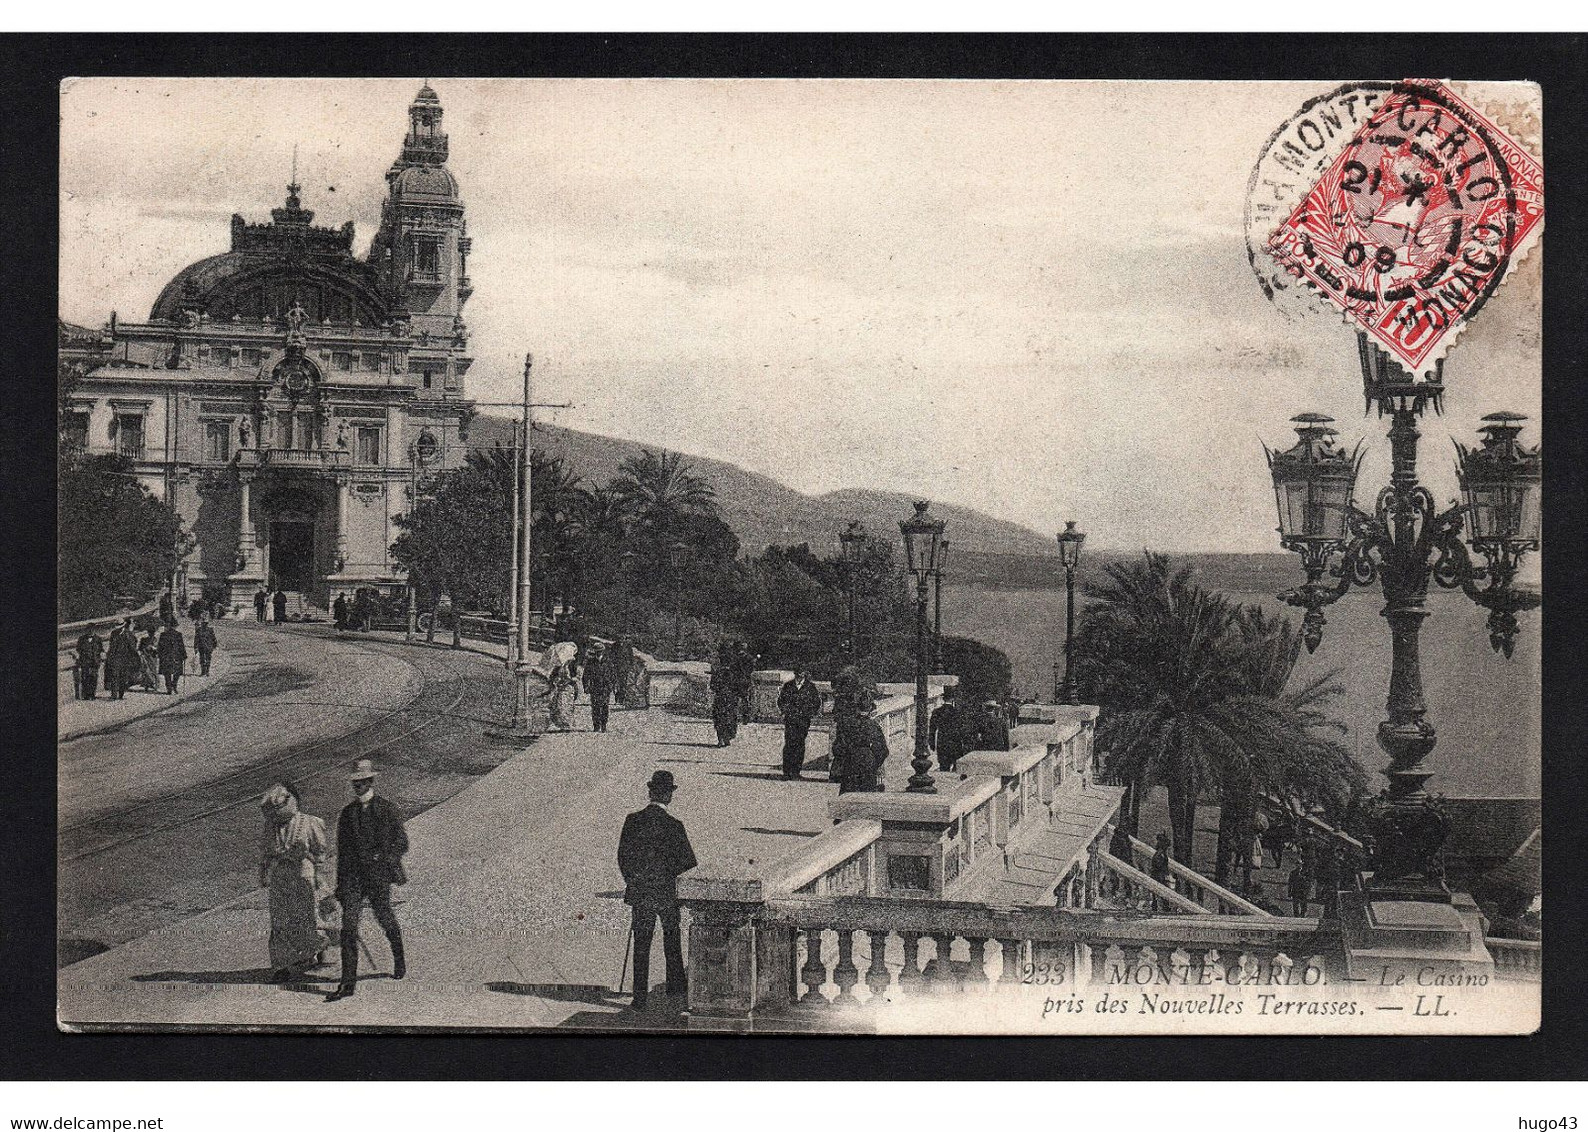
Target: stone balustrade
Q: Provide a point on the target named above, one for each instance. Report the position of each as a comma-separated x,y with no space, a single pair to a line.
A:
829,954
1517,960
1207,894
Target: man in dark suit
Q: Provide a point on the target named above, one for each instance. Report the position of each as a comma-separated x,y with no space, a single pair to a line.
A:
652,852
946,732
598,686
370,843
90,652
800,701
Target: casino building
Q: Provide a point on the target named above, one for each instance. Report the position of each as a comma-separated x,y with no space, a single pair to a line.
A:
288,397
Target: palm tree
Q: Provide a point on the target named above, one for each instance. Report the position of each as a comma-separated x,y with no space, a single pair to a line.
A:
1194,695
606,513
659,486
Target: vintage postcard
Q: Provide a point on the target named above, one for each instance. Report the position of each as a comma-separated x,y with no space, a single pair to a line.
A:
819,556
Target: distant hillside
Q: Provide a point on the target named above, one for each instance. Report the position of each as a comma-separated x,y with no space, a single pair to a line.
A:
983,549
762,511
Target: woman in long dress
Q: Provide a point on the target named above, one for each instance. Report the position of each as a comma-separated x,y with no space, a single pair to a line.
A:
292,867
563,694
149,661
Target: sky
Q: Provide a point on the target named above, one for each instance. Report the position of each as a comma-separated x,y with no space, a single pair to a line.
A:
1031,298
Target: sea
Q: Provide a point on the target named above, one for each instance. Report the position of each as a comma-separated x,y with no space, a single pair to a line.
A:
1485,708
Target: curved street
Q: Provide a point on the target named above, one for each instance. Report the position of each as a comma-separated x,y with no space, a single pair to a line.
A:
158,816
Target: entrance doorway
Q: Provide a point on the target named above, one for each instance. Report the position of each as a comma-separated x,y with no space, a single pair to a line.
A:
292,556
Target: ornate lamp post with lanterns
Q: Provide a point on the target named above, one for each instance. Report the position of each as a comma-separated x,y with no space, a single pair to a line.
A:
853,541
1402,544
923,538
1070,541
937,606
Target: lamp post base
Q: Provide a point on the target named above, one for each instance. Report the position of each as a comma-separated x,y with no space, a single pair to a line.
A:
528,721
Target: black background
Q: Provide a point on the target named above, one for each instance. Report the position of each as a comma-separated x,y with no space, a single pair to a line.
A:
31,68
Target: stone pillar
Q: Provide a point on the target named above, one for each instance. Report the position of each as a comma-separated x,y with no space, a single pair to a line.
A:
738,966
341,524
241,585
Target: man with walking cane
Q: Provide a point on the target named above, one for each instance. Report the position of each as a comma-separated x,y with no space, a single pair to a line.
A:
653,851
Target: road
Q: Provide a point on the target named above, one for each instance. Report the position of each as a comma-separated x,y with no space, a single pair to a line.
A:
159,818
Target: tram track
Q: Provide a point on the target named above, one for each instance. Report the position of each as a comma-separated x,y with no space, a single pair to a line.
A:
154,860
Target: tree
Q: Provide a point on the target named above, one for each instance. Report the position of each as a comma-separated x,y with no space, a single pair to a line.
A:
659,486
460,535
1194,695
115,538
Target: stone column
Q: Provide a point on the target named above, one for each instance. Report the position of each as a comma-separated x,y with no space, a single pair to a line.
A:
241,584
341,524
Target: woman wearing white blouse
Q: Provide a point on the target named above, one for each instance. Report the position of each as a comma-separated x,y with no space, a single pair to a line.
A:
292,867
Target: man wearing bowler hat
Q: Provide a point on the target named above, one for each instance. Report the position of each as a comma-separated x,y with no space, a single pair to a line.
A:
370,843
652,852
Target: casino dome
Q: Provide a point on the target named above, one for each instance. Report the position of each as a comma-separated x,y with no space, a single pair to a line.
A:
431,181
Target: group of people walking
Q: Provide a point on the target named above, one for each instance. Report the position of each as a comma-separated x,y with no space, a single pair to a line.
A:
145,660
306,910
955,730
277,602
732,682
605,674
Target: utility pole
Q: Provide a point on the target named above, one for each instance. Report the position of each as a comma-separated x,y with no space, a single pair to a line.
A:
517,729
413,504
519,724
512,576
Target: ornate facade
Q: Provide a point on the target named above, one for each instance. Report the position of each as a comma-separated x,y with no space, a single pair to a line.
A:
288,397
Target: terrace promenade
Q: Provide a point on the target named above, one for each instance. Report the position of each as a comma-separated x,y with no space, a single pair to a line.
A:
514,915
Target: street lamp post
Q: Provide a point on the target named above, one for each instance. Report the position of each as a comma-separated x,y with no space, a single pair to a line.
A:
1403,544
937,606
675,559
923,536
1070,541
853,540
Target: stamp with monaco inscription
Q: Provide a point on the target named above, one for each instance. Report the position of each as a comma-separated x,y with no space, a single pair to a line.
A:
1415,223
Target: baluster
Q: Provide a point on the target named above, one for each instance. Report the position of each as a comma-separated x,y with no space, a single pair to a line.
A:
1282,963
1011,950
1114,964
1180,966
1247,967
878,978
1212,962
912,980
815,971
1314,974
1148,958
845,973
941,972
976,976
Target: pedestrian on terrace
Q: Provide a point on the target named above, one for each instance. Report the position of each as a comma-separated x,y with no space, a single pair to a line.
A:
653,851
598,686
370,844
292,857
946,732
260,601
149,660
90,653
724,705
204,643
173,657
123,664
799,701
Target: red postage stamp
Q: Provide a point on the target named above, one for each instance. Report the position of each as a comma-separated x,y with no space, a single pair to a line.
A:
1416,223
